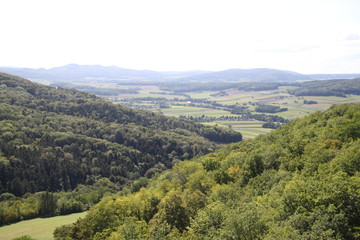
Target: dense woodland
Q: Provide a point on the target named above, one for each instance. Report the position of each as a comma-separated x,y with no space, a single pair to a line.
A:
179,87
53,139
300,181
338,88
47,204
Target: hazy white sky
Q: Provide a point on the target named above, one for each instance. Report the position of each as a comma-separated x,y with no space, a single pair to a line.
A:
307,36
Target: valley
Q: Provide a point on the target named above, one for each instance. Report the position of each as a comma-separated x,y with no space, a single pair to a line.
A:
159,157
217,107
180,120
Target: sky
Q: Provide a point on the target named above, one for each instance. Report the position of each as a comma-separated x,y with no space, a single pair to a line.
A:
306,36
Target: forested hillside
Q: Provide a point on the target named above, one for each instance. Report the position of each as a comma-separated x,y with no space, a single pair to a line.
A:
180,87
300,181
54,139
338,88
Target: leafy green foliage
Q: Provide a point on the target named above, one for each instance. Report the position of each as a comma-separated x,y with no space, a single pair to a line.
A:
45,204
300,181
62,232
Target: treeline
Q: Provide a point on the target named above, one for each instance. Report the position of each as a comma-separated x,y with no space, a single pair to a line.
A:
297,182
47,204
265,108
53,139
272,125
309,102
243,117
242,110
337,88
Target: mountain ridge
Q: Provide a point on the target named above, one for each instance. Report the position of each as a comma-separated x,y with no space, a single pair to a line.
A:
246,75
76,72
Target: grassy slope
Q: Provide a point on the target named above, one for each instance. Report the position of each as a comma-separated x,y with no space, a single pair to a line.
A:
39,228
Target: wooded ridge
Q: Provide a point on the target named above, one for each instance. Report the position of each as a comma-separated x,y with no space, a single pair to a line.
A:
54,139
300,181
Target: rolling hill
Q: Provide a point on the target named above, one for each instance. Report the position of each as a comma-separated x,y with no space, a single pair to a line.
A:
83,73
300,181
338,87
54,139
249,75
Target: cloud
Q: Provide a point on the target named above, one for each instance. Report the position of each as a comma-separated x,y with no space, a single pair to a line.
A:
352,37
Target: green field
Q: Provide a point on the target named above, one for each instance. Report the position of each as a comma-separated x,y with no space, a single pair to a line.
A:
201,95
278,97
39,228
298,109
248,129
194,111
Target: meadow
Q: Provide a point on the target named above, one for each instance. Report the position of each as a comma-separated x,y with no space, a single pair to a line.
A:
248,129
187,104
39,228
194,111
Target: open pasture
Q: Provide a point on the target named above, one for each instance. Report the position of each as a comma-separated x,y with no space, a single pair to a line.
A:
194,111
39,228
201,95
248,129
239,97
277,97
236,97
297,108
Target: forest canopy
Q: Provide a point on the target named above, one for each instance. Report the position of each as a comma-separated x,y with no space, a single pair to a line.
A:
300,181
338,88
54,139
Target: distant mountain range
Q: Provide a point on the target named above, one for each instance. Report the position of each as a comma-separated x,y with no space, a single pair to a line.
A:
250,75
75,72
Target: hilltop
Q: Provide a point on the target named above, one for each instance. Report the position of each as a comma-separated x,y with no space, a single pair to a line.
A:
83,73
250,75
300,181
